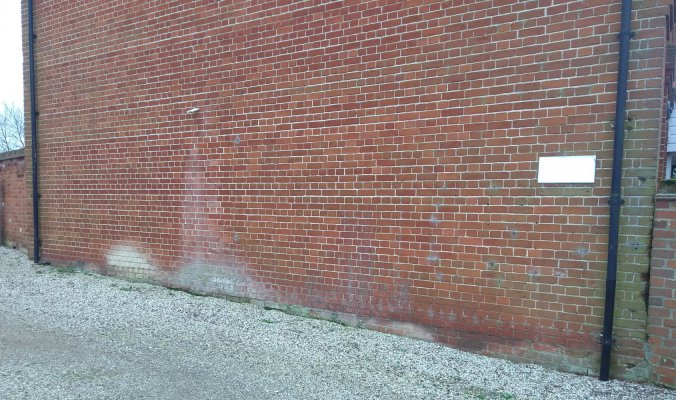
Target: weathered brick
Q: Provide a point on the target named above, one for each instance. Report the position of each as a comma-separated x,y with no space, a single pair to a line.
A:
372,158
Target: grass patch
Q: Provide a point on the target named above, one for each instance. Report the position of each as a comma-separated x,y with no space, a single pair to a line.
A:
483,394
67,270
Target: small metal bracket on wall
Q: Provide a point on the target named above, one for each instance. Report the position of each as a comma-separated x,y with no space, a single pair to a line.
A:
599,338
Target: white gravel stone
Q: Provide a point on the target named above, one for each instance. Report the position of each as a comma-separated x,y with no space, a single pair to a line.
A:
73,335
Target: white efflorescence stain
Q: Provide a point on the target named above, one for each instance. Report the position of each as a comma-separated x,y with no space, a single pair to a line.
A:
128,262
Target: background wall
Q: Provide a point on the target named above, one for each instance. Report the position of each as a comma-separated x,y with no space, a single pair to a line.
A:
376,160
14,211
662,316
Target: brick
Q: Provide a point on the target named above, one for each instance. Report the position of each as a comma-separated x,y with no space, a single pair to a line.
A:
15,213
376,159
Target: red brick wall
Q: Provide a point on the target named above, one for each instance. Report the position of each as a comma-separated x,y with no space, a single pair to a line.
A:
662,315
368,158
669,92
15,213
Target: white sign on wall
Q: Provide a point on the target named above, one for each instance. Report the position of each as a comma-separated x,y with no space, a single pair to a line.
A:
567,169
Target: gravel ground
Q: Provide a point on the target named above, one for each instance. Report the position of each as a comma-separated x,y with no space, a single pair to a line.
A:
66,335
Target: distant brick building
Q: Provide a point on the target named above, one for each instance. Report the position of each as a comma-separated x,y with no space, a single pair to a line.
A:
375,162
14,211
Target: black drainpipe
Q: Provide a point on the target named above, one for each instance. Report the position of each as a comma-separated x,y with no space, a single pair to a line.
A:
615,189
34,133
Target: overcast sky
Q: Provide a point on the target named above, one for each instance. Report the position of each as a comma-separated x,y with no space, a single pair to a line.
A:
11,73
